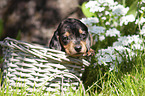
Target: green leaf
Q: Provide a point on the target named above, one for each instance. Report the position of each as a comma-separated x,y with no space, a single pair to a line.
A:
18,35
133,8
1,28
86,11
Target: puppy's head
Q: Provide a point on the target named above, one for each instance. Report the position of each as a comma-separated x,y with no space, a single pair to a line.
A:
72,37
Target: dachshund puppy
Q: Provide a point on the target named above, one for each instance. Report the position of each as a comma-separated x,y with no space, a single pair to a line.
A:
72,37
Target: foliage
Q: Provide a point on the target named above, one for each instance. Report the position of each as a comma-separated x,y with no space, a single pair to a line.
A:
119,35
1,27
118,67
111,83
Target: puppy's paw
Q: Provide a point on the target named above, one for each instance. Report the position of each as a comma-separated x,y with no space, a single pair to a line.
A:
91,52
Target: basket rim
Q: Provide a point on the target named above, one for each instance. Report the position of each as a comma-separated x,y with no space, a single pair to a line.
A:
47,52
44,54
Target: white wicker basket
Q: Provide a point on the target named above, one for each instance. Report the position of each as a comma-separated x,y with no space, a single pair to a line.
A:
38,67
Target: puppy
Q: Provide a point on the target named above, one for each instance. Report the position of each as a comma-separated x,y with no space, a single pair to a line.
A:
72,37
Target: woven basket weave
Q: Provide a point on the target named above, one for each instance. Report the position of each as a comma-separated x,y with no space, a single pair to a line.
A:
38,67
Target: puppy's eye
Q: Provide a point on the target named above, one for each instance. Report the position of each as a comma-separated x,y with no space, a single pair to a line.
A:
65,39
83,35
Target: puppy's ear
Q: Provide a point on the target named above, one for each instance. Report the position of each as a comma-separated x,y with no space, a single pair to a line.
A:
54,43
89,41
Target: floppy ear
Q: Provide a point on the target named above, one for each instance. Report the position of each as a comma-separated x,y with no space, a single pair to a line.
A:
54,43
89,41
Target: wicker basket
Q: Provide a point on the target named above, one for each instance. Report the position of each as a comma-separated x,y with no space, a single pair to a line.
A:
38,67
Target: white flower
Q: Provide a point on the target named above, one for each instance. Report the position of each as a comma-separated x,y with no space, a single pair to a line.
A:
106,13
142,8
107,2
101,37
100,14
99,6
143,1
90,21
119,10
103,57
137,47
96,29
107,23
103,18
103,60
126,19
93,19
140,11
128,40
113,32
86,21
142,31
134,38
91,4
115,24
140,21
95,9
112,67
120,41
110,55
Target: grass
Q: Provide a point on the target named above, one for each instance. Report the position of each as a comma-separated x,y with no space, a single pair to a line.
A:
129,80
129,83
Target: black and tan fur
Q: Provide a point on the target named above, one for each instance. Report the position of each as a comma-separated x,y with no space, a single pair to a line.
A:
72,37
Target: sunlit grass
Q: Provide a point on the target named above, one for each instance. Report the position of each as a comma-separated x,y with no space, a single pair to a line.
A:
112,83
126,79
123,82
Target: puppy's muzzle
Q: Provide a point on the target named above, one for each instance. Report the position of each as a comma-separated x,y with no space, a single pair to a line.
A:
78,48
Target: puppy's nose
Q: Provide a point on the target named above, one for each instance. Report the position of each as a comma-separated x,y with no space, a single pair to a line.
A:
78,48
